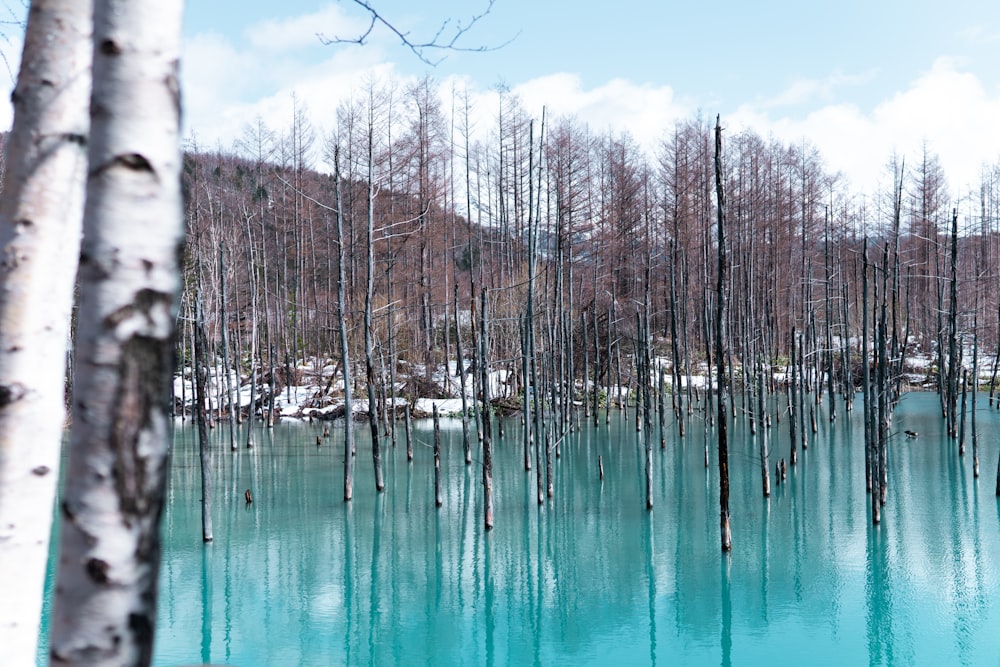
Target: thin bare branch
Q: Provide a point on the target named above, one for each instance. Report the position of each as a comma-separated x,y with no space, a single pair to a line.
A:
446,38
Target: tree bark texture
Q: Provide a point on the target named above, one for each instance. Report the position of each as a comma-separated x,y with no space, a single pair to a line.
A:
105,602
41,214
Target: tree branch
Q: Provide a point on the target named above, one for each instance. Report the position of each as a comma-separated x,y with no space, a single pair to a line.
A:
446,38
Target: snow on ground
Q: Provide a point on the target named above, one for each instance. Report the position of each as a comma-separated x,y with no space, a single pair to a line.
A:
315,399
445,406
319,398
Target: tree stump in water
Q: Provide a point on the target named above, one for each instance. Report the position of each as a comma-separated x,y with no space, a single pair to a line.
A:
438,499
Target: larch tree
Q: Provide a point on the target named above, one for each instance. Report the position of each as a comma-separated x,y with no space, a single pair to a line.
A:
105,600
41,213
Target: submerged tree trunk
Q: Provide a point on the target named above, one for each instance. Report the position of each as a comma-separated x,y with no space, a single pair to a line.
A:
586,367
438,497
201,418
525,399
369,332
225,350
866,387
487,436
105,602
41,214
793,403
764,469
964,409
252,410
345,356
466,443
975,390
953,354
645,381
720,351
597,368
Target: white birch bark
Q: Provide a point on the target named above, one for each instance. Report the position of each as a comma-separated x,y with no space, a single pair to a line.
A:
105,603
40,218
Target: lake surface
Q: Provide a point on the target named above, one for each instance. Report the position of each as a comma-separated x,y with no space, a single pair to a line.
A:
301,578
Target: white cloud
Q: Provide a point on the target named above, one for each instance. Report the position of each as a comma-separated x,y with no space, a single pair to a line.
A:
228,86
298,32
643,110
320,90
946,108
803,91
981,34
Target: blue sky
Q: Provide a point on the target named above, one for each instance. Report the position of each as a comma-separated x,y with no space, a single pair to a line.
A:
724,53
858,78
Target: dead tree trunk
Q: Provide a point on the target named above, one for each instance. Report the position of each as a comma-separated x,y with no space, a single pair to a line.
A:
200,393
866,388
466,442
720,346
345,357
484,341
369,331
252,410
763,431
962,413
953,330
526,397
409,433
438,497
644,403
586,365
975,390
827,262
225,350
597,367
793,403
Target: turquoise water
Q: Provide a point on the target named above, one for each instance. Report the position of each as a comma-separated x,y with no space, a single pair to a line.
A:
591,577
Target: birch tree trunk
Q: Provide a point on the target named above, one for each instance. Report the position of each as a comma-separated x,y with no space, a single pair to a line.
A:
105,603
41,213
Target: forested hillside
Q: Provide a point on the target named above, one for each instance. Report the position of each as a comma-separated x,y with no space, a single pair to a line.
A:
597,228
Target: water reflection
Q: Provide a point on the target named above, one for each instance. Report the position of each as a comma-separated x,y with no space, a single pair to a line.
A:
591,576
